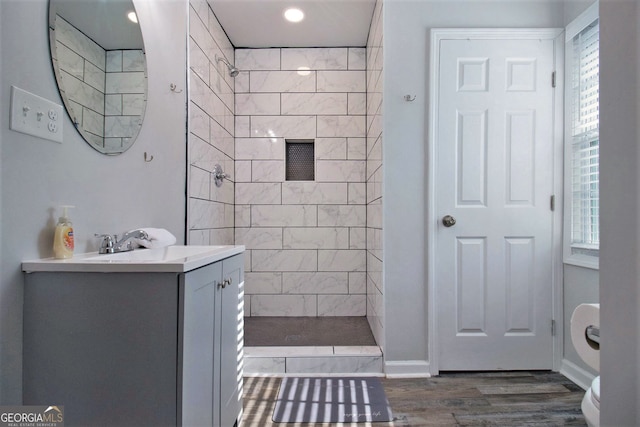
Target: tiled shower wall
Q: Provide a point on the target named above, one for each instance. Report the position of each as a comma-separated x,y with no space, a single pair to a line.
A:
306,240
375,303
107,89
211,130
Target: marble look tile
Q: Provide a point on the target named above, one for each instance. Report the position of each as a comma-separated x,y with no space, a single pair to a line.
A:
342,305
284,260
199,183
305,193
315,238
133,104
259,149
314,103
357,238
341,126
283,305
340,170
243,171
70,61
247,305
315,283
357,193
268,171
258,193
94,76
283,216
357,282
357,58
225,193
263,283
257,59
247,262
121,126
204,214
257,104
242,215
331,148
205,156
342,260
79,43
341,81
259,237
364,350
83,94
264,365
130,82
198,121
288,351
314,58
133,60
221,236
335,364
241,83
281,81
374,214
242,127
356,148
198,237
342,216
357,103
302,127
221,138
113,105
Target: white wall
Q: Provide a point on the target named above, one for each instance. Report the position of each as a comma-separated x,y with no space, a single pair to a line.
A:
406,61
111,194
620,212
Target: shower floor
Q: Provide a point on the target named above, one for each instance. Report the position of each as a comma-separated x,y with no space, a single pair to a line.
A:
307,331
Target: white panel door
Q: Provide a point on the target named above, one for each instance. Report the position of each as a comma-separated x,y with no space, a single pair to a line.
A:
494,176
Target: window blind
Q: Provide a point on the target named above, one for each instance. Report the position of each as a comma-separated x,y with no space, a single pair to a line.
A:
585,214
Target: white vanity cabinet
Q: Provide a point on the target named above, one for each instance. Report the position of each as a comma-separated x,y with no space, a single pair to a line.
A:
136,348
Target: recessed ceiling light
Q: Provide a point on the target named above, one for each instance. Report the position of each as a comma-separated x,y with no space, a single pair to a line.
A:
132,17
293,15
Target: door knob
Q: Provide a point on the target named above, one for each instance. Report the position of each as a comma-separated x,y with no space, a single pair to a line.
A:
448,221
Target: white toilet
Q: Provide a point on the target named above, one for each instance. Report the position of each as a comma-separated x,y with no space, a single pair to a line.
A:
591,404
585,335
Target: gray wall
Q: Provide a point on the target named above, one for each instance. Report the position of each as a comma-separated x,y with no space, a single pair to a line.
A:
111,194
406,62
620,212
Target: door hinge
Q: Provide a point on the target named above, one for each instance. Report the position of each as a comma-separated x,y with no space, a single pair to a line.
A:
552,202
553,327
553,79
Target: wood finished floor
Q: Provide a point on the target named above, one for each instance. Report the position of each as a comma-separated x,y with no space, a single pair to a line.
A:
452,399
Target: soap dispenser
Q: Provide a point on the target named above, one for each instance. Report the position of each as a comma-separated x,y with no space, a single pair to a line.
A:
63,238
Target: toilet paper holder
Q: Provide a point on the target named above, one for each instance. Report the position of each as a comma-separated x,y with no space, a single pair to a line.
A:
593,336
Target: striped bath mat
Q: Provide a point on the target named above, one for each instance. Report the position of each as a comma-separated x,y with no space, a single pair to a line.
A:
331,400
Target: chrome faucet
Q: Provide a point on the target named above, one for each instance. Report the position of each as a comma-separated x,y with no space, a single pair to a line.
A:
110,244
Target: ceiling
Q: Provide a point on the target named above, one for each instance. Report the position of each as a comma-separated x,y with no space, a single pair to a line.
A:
327,23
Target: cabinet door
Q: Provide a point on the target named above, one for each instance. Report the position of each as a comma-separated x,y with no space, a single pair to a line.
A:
231,339
199,398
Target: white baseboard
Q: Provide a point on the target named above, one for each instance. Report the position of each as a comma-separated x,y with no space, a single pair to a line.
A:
407,369
575,373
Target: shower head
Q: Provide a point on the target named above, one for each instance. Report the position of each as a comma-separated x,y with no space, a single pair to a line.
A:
233,71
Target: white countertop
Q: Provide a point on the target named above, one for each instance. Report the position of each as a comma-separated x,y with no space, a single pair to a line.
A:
177,259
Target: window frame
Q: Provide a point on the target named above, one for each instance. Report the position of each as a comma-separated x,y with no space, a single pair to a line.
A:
584,20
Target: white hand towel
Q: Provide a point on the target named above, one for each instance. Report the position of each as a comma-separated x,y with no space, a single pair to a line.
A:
157,238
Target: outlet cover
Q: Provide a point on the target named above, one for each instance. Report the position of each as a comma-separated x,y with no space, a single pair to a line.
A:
34,115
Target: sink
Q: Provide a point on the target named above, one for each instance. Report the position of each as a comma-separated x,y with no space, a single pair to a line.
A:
174,258
169,253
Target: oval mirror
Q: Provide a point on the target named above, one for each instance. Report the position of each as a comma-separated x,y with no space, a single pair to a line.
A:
99,62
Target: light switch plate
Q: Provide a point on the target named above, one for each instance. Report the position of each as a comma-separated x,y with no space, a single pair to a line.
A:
34,115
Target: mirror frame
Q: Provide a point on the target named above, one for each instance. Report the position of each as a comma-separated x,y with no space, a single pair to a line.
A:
67,102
